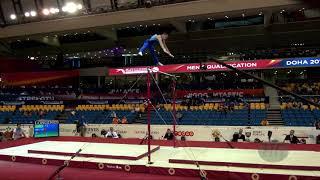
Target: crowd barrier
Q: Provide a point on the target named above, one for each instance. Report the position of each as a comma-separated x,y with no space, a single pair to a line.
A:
191,133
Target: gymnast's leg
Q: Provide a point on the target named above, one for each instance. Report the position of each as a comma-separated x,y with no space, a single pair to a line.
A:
154,56
143,47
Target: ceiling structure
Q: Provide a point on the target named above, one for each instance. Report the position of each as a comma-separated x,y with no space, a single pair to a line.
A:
85,32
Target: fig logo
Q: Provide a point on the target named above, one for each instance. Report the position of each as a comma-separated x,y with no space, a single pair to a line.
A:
155,69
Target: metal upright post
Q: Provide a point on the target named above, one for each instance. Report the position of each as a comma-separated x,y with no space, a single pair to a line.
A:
174,111
148,111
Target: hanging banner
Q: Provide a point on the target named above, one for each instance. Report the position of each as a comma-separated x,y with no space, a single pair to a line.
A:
211,66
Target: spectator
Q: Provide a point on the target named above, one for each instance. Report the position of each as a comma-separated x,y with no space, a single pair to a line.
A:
241,135
235,137
264,122
2,137
216,135
18,132
94,135
113,114
82,126
115,120
317,124
124,120
8,135
238,135
169,135
292,138
103,132
112,134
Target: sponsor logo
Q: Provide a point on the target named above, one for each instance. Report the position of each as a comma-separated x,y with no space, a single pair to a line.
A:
184,133
113,167
92,130
145,132
137,70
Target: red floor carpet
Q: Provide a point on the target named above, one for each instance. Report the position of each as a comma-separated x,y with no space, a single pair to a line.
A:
24,171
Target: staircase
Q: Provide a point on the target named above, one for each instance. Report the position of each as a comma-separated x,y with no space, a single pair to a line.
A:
143,119
273,97
274,117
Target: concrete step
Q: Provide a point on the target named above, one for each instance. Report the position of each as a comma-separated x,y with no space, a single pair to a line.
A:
274,117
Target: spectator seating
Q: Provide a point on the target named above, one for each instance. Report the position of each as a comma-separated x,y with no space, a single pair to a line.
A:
6,112
100,117
299,117
261,106
113,107
7,108
46,108
207,114
298,114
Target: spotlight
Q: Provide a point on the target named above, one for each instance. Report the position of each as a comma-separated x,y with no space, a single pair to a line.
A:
45,12
27,14
79,6
13,16
33,13
64,9
71,7
52,10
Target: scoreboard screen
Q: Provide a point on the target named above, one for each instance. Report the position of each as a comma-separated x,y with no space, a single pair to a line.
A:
46,128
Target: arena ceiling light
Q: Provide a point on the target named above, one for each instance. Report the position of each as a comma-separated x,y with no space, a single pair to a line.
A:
54,10
50,11
33,13
13,17
71,7
27,14
45,12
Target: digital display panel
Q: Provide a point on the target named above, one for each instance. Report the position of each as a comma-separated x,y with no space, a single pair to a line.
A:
46,128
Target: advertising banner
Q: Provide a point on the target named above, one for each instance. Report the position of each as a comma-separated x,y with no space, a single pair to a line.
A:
211,66
220,93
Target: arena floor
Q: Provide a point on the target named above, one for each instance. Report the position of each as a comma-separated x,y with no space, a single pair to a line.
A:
215,162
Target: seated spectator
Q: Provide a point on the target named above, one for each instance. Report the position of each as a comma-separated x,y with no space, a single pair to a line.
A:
264,122
317,124
103,132
1,137
94,135
238,135
241,135
7,135
115,120
179,116
292,138
235,137
169,135
113,114
216,135
124,120
18,133
112,134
